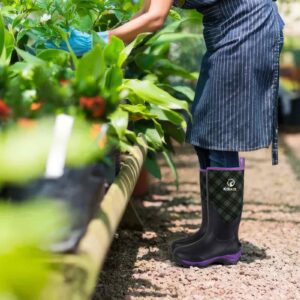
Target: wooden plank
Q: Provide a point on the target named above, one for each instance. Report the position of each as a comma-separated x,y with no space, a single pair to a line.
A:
75,275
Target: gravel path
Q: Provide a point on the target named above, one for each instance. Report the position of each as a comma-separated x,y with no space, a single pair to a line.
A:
138,266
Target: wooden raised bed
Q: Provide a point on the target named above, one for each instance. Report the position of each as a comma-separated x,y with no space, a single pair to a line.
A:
76,274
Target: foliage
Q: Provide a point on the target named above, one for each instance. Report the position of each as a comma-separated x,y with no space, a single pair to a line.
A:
95,85
114,92
25,232
45,19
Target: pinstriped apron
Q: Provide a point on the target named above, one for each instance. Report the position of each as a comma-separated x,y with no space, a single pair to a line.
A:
236,100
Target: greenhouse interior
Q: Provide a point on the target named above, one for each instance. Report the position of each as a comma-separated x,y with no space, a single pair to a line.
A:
149,149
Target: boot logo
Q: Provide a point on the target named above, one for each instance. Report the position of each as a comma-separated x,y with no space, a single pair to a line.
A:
230,186
231,183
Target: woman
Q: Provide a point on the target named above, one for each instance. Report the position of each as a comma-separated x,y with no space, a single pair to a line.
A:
235,109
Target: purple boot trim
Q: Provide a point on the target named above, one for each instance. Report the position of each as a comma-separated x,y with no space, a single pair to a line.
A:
240,168
226,259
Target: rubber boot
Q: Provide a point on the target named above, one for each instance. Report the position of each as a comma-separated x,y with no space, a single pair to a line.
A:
199,233
220,243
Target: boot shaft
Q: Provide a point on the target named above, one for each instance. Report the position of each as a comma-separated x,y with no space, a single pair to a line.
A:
203,184
225,193
225,189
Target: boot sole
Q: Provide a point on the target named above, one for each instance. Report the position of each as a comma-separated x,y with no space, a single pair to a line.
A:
230,259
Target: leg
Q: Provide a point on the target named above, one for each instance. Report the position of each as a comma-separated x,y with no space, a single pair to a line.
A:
220,243
207,158
203,156
223,159
215,158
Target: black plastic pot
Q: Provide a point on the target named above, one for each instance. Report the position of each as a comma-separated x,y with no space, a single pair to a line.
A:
81,189
293,118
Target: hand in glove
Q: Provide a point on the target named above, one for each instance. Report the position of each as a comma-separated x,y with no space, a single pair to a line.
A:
80,42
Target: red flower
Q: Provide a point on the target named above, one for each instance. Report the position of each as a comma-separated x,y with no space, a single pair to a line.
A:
96,105
35,106
4,110
64,82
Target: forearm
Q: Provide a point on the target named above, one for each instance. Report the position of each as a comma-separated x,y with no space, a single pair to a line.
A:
143,23
152,17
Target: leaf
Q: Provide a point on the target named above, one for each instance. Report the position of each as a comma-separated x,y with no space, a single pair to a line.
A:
113,78
145,61
163,67
168,115
149,130
65,37
9,43
85,23
54,55
152,167
17,20
97,40
169,29
83,148
29,57
21,166
138,112
150,93
131,136
176,132
161,50
172,166
119,120
186,91
127,50
91,65
8,48
167,68
159,129
26,229
2,35
175,15
113,50
175,37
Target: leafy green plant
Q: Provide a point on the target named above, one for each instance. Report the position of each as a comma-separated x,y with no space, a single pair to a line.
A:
118,85
26,231
45,19
114,92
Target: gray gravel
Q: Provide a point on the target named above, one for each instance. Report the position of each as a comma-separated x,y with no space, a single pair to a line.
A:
138,266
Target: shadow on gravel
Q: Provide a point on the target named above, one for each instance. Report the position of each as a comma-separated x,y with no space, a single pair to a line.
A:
116,275
293,160
167,215
252,253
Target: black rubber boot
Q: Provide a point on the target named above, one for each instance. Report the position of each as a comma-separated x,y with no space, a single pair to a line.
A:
220,243
199,233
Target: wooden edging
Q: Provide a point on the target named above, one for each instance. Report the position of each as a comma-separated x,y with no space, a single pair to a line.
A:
76,274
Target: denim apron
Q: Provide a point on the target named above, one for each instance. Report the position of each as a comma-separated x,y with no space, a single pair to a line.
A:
236,100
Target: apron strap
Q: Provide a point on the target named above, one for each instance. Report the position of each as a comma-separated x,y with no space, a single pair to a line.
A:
275,134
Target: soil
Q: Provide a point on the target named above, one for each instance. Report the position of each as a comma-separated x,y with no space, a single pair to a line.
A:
139,267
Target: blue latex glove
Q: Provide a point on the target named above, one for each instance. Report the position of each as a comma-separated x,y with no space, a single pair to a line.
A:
80,42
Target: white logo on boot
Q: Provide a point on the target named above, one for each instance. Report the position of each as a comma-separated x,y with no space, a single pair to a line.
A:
231,183
230,186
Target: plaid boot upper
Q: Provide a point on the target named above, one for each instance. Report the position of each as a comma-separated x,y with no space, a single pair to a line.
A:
226,189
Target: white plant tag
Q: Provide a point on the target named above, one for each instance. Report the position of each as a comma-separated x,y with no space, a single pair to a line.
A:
57,154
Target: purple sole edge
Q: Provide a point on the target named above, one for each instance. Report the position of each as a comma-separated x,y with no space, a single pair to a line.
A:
225,259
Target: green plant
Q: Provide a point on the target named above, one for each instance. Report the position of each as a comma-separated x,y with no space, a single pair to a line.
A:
26,231
114,93
118,85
